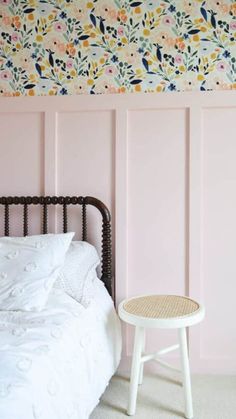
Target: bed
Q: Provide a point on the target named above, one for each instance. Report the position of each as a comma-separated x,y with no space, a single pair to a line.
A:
56,363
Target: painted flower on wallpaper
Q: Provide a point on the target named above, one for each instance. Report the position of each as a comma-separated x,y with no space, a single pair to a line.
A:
60,47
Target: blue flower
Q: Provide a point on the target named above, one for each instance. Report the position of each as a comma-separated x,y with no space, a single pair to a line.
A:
33,55
171,87
140,50
76,42
114,59
63,15
226,54
63,91
172,8
9,64
186,36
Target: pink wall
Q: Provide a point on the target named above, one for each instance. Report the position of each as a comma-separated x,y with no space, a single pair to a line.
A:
165,165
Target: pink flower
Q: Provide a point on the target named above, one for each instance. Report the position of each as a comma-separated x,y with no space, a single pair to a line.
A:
15,37
110,70
69,64
60,27
6,20
178,59
168,20
6,2
5,75
221,66
120,31
233,25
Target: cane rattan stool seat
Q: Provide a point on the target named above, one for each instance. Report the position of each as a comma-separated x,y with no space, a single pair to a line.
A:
161,306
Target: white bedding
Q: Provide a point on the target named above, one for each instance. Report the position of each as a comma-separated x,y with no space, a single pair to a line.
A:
57,363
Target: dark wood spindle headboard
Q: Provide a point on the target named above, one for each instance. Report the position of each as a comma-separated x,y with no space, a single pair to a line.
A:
45,201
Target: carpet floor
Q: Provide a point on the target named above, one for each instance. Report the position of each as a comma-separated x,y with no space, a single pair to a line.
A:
160,397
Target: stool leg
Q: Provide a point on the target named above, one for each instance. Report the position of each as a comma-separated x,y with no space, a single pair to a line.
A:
134,378
140,381
186,373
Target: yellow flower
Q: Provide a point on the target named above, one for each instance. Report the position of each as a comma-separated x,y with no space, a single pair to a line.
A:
203,28
30,16
196,38
51,93
89,5
73,73
234,86
182,68
90,82
213,55
31,92
50,17
18,45
102,60
124,40
159,10
138,71
200,77
159,88
146,32
39,38
137,10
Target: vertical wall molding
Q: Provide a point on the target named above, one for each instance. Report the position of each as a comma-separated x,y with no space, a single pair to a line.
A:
50,160
195,221
50,153
121,210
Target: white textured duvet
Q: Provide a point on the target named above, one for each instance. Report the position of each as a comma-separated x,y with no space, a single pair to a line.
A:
56,364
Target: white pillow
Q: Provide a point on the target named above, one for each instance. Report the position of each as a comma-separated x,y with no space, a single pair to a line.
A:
29,267
79,271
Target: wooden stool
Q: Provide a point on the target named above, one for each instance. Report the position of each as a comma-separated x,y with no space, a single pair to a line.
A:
164,312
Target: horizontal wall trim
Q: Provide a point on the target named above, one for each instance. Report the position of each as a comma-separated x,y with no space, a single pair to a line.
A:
142,101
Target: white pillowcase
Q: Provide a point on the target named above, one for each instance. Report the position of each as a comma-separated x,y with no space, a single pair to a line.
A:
29,267
79,271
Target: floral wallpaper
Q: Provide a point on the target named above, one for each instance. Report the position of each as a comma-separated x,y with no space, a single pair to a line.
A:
64,47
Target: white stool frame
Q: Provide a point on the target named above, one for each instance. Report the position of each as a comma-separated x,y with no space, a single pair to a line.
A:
139,357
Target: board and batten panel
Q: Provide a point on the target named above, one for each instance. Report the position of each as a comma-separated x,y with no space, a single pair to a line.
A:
157,206
22,161
85,160
218,331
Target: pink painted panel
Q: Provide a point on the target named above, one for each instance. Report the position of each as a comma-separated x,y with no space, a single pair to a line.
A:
84,146
21,160
218,332
85,160
157,205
